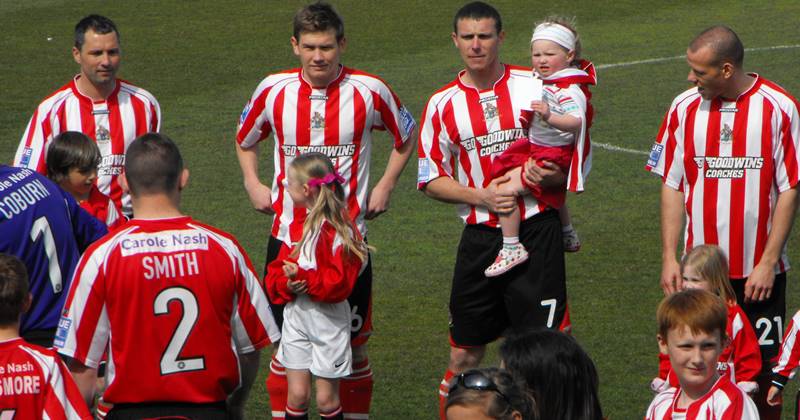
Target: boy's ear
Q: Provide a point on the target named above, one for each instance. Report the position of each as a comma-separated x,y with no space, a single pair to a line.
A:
662,344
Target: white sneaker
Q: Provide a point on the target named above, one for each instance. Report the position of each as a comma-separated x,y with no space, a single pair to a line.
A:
507,258
571,241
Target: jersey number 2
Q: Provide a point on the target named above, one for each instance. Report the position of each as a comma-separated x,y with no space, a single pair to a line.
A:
41,228
170,362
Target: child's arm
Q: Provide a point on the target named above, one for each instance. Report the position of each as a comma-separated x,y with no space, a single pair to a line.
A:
746,351
788,358
275,280
563,122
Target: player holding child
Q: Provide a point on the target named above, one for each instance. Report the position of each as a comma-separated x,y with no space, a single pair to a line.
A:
691,331
72,160
313,279
558,132
706,268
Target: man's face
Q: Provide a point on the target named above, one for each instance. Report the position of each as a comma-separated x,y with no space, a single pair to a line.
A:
711,79
693,357
319,54
98,57
478,43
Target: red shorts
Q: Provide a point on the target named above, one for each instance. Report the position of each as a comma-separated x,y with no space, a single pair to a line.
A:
520,151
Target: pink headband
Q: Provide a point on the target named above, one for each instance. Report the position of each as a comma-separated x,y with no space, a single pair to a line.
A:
326,180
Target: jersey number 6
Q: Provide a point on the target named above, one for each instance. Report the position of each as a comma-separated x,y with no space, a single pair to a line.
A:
170,363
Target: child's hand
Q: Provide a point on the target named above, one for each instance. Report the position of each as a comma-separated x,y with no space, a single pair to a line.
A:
541,108
290,269
774,396
297,287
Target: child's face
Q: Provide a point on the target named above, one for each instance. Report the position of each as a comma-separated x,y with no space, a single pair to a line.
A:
297,191
79,183
693,357
548,57
692,280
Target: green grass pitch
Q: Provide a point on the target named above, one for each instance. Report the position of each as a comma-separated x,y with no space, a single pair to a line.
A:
202,60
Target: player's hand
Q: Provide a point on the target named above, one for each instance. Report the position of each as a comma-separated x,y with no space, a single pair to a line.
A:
541,108
496,201
759,284
289,269
297,287
547,176
259,195
671,280
378,201
774,396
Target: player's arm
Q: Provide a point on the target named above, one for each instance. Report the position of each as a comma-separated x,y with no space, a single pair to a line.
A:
759,284
32,146
380,194
249,368
62,397
85,378
671,225
258,193
448,190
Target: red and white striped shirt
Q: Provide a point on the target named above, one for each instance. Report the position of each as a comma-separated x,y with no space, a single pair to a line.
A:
730,159
113,124
464,128
741,359
103,208
789,356
35,384
175,302
336,121
724,401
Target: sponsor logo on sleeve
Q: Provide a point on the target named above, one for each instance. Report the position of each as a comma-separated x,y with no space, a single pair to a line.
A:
26,156
407,120
655,155
63,330
245,111
424,170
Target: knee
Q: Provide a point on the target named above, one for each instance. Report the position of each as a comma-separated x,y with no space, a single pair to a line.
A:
299,395
327,401
462,359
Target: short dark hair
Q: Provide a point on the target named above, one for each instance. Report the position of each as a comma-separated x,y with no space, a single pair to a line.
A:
558,373
98,24
724,42
478,10
153,165
13,289
318,17
510,395
68,150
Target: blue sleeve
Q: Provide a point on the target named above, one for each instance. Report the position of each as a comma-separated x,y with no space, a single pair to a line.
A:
86,227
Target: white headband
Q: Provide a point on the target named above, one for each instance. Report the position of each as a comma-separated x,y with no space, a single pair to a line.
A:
559,34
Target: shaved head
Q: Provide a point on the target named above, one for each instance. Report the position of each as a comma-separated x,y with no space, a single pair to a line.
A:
723,42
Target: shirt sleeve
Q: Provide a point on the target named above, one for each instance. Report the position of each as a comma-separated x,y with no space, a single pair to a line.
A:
434,147
33,145
254,124
789,356
254,326
275,280
62,399
746,351
666,155
787,148
392,115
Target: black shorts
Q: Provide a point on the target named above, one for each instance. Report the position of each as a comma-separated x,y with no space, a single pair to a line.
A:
360,298
213,411
532,294
766,317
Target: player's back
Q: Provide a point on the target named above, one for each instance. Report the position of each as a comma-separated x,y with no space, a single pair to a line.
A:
33,382
45,228
179,302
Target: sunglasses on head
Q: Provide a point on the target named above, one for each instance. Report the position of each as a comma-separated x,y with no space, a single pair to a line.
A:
477,381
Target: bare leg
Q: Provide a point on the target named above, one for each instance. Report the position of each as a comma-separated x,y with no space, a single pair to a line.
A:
327,394
299,388
512,253
563,215
509,222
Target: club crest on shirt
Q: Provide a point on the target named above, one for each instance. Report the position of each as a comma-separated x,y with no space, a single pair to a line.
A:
490,111
726,134
317,121
102,135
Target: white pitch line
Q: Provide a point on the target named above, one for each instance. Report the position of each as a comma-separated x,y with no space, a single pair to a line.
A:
613,148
